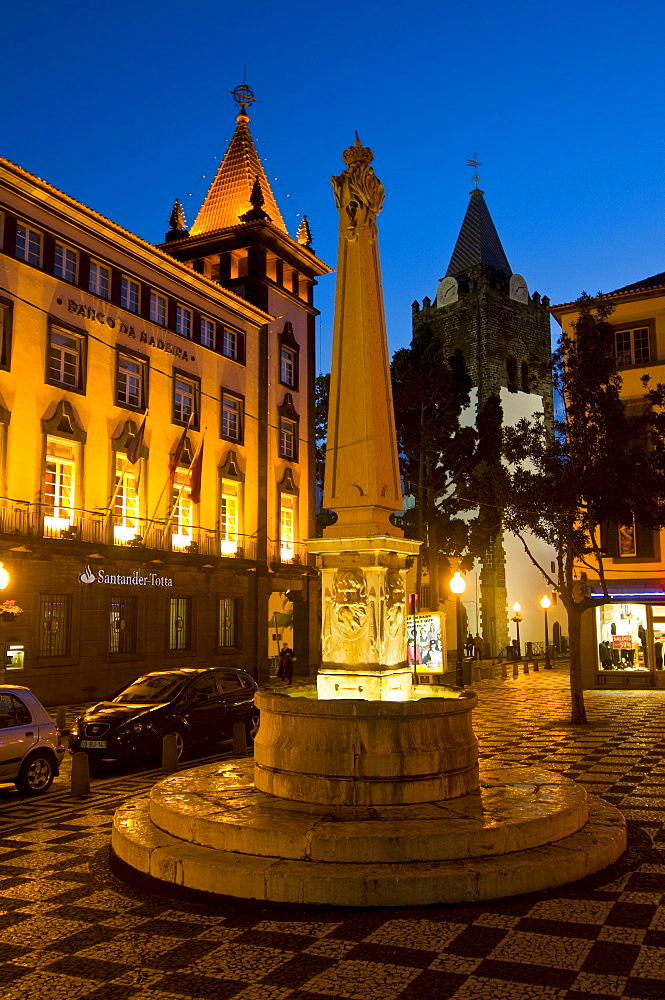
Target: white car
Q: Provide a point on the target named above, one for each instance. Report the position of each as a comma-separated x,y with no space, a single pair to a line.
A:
30,744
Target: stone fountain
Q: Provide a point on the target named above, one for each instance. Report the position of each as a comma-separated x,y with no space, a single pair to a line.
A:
364,790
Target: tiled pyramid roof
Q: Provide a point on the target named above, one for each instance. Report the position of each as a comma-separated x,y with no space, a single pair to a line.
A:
229,195
478,241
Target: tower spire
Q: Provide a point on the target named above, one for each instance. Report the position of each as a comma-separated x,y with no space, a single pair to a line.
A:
229,197
177,223
478,241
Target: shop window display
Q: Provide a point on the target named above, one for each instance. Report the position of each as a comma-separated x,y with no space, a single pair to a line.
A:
624,637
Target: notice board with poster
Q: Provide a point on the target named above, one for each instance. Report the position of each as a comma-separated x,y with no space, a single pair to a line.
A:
428,643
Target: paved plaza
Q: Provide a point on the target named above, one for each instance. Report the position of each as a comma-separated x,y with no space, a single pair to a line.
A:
69,928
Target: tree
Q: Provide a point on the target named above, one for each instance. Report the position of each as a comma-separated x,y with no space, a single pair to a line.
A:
430,393
604,465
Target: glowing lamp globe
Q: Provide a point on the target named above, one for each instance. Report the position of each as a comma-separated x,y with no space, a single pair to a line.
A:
4,577
457,584
545,602
517,607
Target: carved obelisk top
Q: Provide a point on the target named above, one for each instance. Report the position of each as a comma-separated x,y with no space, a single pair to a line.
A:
362,484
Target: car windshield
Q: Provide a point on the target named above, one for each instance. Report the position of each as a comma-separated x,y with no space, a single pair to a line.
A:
152,689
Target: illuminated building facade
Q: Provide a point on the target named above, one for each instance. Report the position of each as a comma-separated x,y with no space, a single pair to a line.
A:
156,455
623,641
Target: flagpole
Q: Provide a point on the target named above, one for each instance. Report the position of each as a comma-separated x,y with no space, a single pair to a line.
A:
184,482
161,495
118,487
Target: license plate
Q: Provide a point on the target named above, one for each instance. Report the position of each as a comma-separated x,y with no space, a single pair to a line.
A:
93,744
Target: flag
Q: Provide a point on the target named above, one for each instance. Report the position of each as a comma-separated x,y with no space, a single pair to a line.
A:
136,444
175,457
195,471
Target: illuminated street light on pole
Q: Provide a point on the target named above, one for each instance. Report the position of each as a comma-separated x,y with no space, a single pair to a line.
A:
4,577
457,587
517,618
545,603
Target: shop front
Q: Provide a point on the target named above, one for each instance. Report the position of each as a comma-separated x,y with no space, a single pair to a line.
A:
628,636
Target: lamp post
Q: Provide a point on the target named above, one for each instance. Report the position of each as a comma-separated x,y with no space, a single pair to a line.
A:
457,587
517,618
545,603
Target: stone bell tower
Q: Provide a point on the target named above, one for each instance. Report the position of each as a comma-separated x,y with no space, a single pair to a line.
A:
483,308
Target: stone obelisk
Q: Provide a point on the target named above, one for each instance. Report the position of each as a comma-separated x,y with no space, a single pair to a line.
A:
362,556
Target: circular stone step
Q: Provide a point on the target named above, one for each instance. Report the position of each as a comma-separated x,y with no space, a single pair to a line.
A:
138,843
515,808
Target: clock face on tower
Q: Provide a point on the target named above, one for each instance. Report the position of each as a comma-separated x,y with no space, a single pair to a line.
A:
518,288
447,292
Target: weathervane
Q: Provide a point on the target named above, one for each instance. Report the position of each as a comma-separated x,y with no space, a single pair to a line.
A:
243,96
475,163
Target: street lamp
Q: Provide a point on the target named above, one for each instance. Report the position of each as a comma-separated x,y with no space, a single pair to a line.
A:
457,587
517,618
545,603
4,577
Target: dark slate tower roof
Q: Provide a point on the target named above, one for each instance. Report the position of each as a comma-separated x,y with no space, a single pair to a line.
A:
478,241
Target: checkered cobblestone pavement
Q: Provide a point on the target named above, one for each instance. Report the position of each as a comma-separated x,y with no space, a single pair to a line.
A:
69,928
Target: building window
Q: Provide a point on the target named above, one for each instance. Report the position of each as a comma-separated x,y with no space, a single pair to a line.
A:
228,622
99,281
5,334
180,623
288,438
54,624
229,512
28,245
59,486
287,366
65,359
182,512
131,381
65,263
183,321
129,294
287,526
123,632
126,508
232,416
525,377
157,309
230,344
632,347
511,367
185,397
207,331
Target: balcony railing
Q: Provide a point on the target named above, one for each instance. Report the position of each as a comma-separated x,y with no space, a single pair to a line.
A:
292,555
96,528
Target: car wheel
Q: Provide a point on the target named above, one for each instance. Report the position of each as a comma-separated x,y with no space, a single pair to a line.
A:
36,774
253,724
179,741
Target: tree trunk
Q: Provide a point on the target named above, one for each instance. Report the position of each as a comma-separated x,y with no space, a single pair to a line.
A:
577,710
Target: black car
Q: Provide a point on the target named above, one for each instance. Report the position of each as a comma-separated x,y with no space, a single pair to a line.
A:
199,706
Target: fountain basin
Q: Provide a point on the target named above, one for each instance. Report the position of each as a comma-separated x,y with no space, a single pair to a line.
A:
352,752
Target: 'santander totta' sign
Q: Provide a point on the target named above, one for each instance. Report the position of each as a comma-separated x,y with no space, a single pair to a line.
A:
134,579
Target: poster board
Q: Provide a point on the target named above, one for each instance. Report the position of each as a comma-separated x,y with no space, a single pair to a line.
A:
430,642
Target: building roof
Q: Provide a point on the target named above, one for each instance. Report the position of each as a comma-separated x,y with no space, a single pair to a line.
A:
654,283
645,285
230,193
478,241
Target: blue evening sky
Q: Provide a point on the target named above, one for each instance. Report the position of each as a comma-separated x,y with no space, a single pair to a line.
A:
126,105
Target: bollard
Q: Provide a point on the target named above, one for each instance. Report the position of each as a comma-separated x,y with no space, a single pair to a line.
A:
526,666
504,669
61,718
239,739
516,669
169,753
80,785
535,666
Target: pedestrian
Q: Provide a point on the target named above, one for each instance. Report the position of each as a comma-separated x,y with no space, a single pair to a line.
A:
282,658
289,660
469,645
478,647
